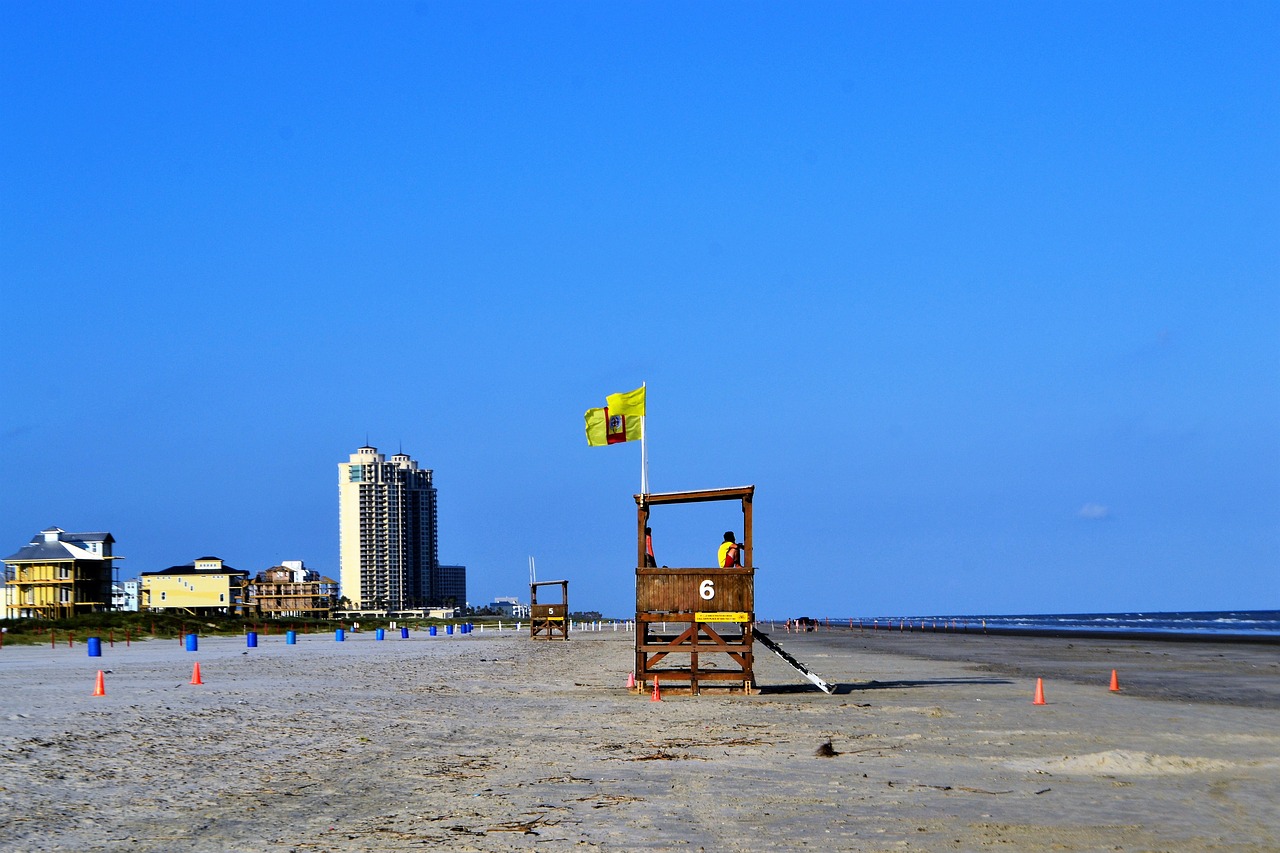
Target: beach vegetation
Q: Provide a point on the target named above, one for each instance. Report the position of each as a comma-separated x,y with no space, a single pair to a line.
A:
119,626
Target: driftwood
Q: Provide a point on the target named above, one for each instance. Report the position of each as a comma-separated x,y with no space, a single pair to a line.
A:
526,827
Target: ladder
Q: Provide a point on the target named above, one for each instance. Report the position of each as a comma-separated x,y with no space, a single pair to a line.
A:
795,664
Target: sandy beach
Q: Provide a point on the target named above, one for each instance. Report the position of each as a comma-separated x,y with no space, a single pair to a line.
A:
493,742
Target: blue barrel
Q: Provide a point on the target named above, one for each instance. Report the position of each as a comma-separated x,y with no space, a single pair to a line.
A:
291,638
95,647
404,633
380,634
251,639
432,630
192,643
448,629
340,635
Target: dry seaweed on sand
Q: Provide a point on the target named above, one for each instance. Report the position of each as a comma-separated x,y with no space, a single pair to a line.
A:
826,750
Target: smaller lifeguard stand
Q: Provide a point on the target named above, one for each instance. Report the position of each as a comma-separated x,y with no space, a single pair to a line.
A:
549,621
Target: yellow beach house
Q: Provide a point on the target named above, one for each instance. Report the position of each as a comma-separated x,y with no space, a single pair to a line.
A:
59,574
203,587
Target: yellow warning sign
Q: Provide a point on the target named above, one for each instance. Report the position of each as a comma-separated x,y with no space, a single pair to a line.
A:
721,616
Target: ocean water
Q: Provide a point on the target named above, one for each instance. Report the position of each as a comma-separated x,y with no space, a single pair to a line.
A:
1216,623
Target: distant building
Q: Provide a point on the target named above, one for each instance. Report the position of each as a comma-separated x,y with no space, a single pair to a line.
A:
451,586
290,589
59,574
388,541
329,587
510,607
124,595
203,587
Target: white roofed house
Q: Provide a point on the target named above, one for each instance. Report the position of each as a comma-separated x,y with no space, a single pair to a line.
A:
59,574
510,606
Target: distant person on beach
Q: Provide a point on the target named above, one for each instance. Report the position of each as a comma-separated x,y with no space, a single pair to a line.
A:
730,554
649,560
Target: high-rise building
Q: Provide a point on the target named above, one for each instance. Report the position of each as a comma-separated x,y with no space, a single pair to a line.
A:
449,586
388,545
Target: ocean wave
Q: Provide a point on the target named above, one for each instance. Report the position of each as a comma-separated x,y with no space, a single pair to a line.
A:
1243,623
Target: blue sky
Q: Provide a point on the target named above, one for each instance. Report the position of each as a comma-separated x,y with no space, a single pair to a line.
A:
983,298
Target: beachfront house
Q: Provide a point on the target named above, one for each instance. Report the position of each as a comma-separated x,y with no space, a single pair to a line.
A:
291,589
203,587
59,574
509,607
124,596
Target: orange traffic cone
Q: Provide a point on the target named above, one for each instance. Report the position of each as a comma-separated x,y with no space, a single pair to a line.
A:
1115,682
195,674
100,689
657,694
631,681
1039,697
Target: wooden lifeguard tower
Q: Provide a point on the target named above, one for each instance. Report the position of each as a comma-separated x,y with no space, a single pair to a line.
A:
707,612
549,621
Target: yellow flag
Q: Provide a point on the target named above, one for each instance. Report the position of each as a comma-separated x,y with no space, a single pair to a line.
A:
597,428
605,428
628,403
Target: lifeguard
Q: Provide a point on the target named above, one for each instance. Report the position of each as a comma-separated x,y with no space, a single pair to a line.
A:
730,554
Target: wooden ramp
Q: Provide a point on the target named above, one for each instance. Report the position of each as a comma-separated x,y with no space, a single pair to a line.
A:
768,642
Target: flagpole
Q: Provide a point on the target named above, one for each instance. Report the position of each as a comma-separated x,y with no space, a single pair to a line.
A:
644,443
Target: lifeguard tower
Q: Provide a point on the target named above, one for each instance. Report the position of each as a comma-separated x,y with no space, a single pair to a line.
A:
549,621
694,625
